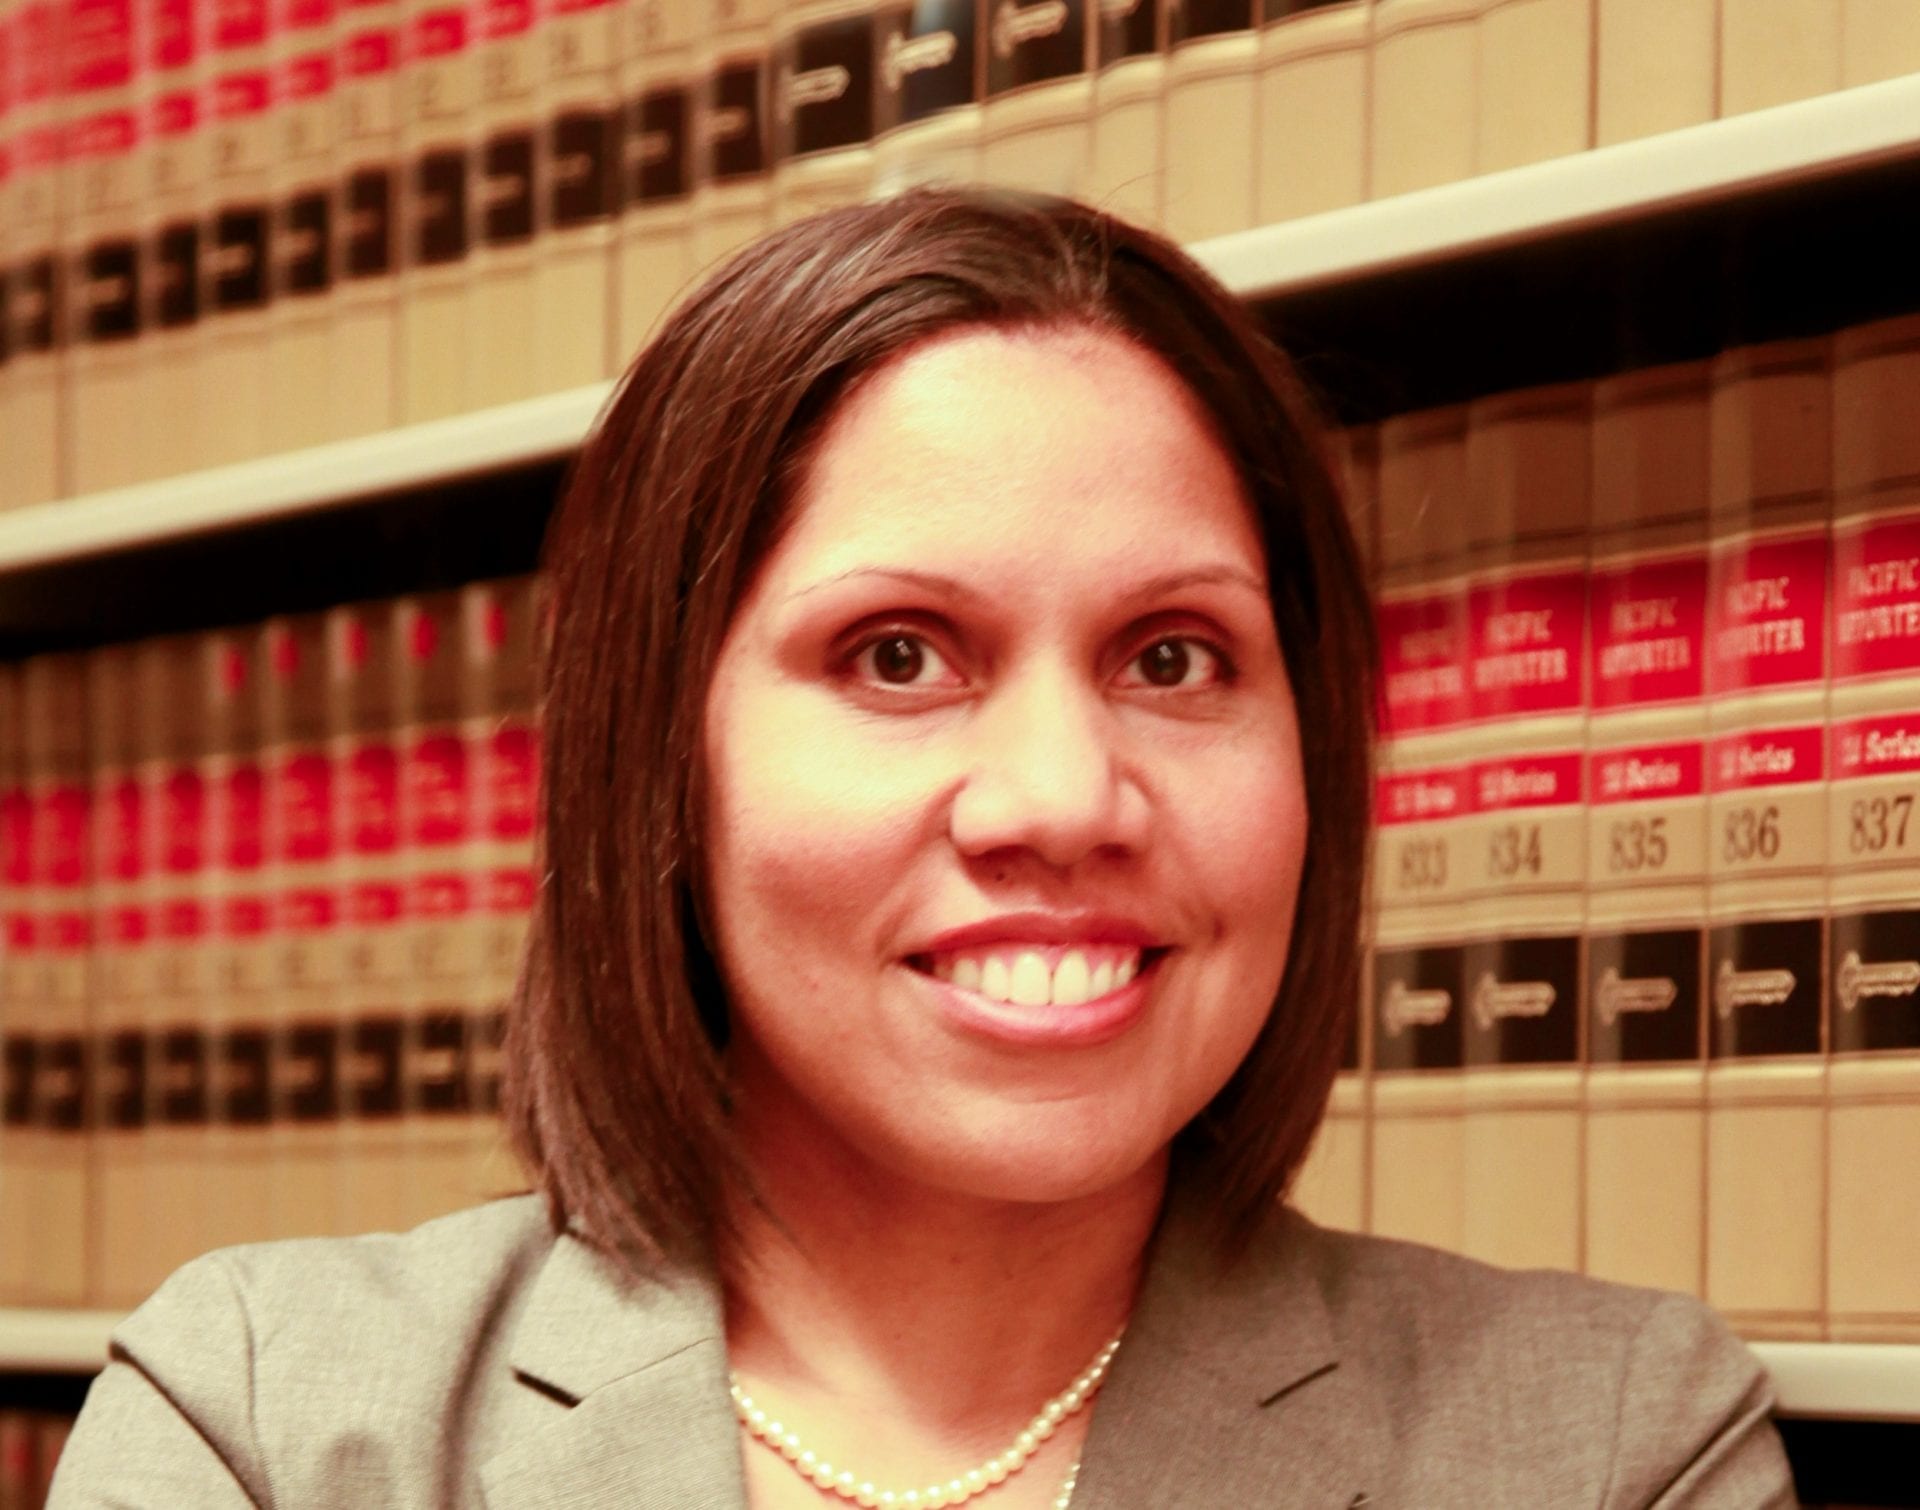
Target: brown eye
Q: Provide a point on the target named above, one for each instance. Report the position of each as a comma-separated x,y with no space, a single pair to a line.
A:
898,659
1165,663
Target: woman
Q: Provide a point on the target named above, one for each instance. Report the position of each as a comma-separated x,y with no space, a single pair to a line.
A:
957,735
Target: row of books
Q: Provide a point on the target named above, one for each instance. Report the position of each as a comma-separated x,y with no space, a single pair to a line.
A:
1645,985
30,1446
264,894
247,227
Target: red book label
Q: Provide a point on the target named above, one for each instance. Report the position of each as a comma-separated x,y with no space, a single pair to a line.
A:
239,23
1647,773
1876,598
1527,781
1423,650
174,114
171,42
1649,632
243,917
240,94
372,902
1528,644
36,52
1768,601
440,894
305,809
99,44
571,7
437,794
107,134
1424,796
243,817
63,812
513,755
67,931
1885,745
182,919
16,833
123,834
436,35
368,53
307,78
373,789
1769,757
128,924
20,932
505,18
308,909
299,15
510,889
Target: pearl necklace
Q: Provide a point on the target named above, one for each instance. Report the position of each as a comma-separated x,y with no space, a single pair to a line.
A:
995,1471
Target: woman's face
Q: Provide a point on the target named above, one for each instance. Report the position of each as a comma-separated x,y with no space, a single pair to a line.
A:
1006,815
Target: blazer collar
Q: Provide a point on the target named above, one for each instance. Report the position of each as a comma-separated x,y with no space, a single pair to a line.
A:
1229,1388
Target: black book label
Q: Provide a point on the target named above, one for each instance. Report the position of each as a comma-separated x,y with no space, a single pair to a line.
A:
1876,982
238,259
368,233
1643,997
1035,43
19,1054
1210,18
658,167
1764,988
176,275
1129,29
1522,1002
374,1067
440,1063
736,125
506,189
582,144
306,235
123,1099
246,1096
183,1074
309,1088
824,92
62,1095
487,1036
6,316
35,305
440,207
1350,1043
928,61
110,298
1416,1008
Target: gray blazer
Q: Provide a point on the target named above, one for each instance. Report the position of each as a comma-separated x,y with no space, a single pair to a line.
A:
478,1360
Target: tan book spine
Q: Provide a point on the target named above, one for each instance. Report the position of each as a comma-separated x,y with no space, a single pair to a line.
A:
1535,98
1426,69
34,213
1645,1174
124,981
373,960
1873,839
654,256
436,211
1127,171
1656,67
1315,73
1423,808
732,138
301,307
1773,51
824,104
366,213
19,1460
52,1431
509,230
1037,126
573,276
103,400
8,149
19,1021
1879,39
307,1029
932,82
1768,490
1212,117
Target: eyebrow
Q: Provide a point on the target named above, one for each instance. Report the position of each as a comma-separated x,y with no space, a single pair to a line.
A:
1222,574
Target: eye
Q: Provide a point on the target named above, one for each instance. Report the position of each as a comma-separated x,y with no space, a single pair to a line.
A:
1178,660
897,658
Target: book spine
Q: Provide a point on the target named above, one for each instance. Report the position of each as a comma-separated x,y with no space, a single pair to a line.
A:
366,220
931,90
1212,126
301,302
1535,94
177,436
1656,67
1036,128
824,80
1770,54
8,149
19,1020
1127,168
1425,64
580,183
1315,72
509,233
38,337
1873,841
654,259
436,217
731,131
1878,40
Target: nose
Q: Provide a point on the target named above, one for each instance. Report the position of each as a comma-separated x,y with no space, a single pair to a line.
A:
1048,775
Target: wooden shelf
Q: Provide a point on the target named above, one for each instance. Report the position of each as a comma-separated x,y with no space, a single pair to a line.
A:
54,1341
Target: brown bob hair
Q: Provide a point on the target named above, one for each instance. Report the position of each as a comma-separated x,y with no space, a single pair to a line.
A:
616,1090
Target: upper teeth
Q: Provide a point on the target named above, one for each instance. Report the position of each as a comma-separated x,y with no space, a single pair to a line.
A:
1023,977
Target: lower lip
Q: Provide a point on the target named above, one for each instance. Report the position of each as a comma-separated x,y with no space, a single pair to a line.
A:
1049,1026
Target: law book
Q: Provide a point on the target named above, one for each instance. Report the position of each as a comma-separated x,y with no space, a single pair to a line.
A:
102,404
374,965
654,252
304,126
1425,67
177,434
1878,40
436,115
59,793
1315,67
1645,1170
508,225
237,223
369,177
1212,117
580,106
1529,470
1656,67
37,339
824,103
1769,471
6,218
1535,94
19,1019
1036,126
929,95
731,131
52,1433
123,980
1423,815
19,1460
1772,53
302,803
1127,170
1873,842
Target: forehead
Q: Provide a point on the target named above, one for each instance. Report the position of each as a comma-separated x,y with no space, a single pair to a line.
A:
1057,447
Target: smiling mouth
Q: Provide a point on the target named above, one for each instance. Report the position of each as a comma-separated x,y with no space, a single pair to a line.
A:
1038,976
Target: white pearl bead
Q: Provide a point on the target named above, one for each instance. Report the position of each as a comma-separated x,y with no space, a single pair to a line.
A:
1054,1413
888,1500
807,1459
957,1491
976,1480
1076,1397
997,1471
910,1500
1028,1444
823,1475
789,1443
1043,1428
845,1483
757,1419
866,1495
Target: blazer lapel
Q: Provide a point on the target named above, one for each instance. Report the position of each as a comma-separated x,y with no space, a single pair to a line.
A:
1229,1388
643,1369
